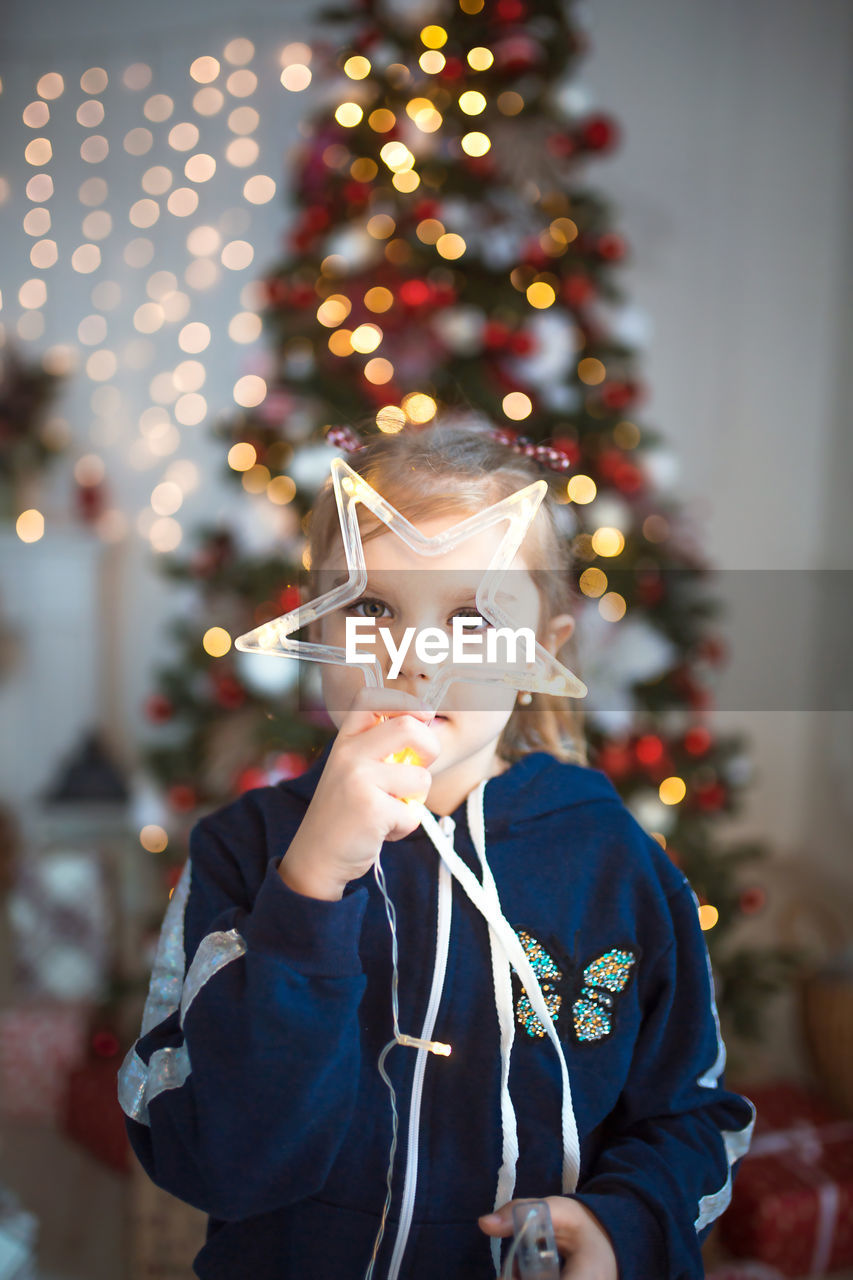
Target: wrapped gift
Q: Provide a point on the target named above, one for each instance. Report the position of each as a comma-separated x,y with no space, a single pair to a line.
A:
792,1204
39,1046
92,1116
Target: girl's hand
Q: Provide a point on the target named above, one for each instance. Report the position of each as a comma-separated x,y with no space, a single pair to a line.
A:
581,1240
359,801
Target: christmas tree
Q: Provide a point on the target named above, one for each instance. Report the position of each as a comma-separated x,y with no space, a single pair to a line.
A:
449,254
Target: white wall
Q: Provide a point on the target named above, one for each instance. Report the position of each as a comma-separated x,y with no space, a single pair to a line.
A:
733,187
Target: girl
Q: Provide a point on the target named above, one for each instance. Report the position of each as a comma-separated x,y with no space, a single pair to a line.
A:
256,1090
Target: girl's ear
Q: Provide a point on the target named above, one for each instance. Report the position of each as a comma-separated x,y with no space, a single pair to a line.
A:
558,631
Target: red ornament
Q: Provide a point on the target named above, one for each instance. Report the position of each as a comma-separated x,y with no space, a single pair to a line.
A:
752,900
520,343
577,290
618,395
289,598
182,797
158,708
105,1043
649,749
356,193
611,247
496,336
510,11
453,69
712,649
710,797
568,447
414,293
517,52
650,588
615,760
697,740
599,133
251,778
560,145
230,694
290,764
90,500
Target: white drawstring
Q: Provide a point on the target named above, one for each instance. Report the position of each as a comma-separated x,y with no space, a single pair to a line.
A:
489,908
502,979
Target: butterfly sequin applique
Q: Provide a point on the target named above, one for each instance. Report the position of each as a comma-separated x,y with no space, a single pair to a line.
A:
591,999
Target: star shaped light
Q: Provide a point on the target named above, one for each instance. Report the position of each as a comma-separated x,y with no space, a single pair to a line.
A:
546,675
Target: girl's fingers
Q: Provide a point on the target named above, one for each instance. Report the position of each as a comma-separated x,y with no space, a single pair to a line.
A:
404,781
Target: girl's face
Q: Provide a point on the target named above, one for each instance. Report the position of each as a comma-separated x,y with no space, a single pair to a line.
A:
406,590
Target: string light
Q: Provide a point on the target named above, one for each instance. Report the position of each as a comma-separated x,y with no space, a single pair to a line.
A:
50,85
432,62
29,525
216,642
137,142
349,114
517,406
241,152
241,84
245,327
541,295
36,115
608,541
242,456
480,58
475,143
153,838
593,582
166,498
591,371
391,419
158,108
281,490
137,76
612,606
260,189
433,36
450,245
581,489
357,67
95,80
256,479
249,391
243,120
94,149
472,102
379,371
208,101
97,225
708,916
672,790
239,51
90,114
366,338
382,120
296,77
419,407
40,187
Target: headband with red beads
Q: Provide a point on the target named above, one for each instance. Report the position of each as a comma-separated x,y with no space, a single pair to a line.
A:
344,437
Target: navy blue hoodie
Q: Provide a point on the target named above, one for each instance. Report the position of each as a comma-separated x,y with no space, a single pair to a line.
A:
253,1091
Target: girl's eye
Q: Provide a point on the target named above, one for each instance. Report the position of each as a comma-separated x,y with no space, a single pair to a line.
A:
366,603
471,612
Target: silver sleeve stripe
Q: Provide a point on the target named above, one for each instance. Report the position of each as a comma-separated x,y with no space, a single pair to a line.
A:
138,1084
167,972
711,1078
214,952
169,1068
736,1142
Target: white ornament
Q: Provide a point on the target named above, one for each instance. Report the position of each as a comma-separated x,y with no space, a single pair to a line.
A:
651,813
267,679
460,328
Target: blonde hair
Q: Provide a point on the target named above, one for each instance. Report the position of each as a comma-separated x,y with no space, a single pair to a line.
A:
450,468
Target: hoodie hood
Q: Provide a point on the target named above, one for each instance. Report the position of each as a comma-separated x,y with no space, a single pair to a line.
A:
531,787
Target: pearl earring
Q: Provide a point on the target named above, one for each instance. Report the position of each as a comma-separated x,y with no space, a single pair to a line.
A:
525,698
